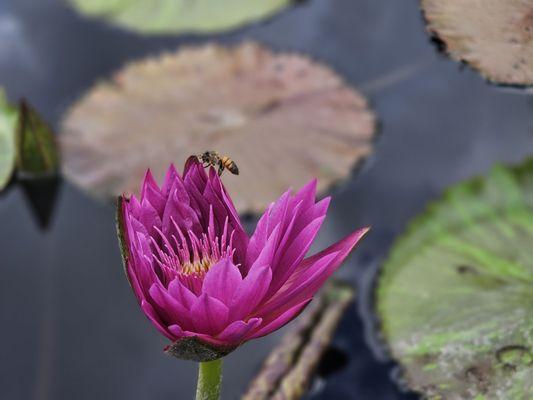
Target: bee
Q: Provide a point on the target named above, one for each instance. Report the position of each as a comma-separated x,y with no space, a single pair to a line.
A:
212,158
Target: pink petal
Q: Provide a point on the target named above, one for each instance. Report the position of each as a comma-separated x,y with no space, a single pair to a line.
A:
222,281
210,315
310,275
236,332
181,293
178,209
170,177
342,247
306,196
268,251
278,322
176,331
149,217
134,282
271,219
172,311
154,318
150,192
294,254
258,239
295,291
221,192
250,292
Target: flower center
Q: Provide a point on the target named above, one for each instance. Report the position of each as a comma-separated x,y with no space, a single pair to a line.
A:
189,256
198,267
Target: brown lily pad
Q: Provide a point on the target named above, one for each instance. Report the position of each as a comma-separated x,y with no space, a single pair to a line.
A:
494,36
282,118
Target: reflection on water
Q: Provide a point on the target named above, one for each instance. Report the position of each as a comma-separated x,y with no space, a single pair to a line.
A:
41,195
70,325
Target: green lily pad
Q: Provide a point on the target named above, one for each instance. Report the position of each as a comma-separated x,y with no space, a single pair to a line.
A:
455,296
8,122
37,150
174,16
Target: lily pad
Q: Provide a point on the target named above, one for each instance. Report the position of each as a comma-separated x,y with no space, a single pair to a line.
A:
495,37
282,118
36,147
456,295
8,123
174,16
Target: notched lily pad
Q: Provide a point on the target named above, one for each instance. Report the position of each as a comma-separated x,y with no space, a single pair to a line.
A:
282,118
175,16
456,294
495,37
194,349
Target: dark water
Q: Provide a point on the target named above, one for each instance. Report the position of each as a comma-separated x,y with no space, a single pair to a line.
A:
71,329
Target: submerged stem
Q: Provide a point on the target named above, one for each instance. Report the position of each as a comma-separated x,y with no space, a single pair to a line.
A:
209,380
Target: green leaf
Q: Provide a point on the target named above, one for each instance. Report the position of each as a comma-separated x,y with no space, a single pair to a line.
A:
36,147
8,122
174,16
455,296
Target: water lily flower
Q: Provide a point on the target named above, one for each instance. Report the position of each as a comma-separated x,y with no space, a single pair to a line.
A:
201,280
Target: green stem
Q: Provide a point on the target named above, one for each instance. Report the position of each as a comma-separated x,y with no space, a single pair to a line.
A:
209,380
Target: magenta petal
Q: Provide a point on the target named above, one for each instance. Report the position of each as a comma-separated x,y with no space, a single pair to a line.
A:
294,254
150,192
181,293
236,332
295,290
306,195
170,177
258,239
210,315
278,322
176,331
270,219
170,308
268,251
311,274
317,210
134,282
250,292
226,200
149,217
152,316
342,247
179,211
222,281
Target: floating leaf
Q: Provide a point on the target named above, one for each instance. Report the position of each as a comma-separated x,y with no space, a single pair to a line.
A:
8,122
36,147
282,118
174,16
494,36
288,370
456,294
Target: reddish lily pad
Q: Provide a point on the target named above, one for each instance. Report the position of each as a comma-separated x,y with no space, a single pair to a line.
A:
282,118
456,294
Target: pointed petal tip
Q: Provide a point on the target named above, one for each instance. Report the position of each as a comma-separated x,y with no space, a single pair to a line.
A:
363,231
